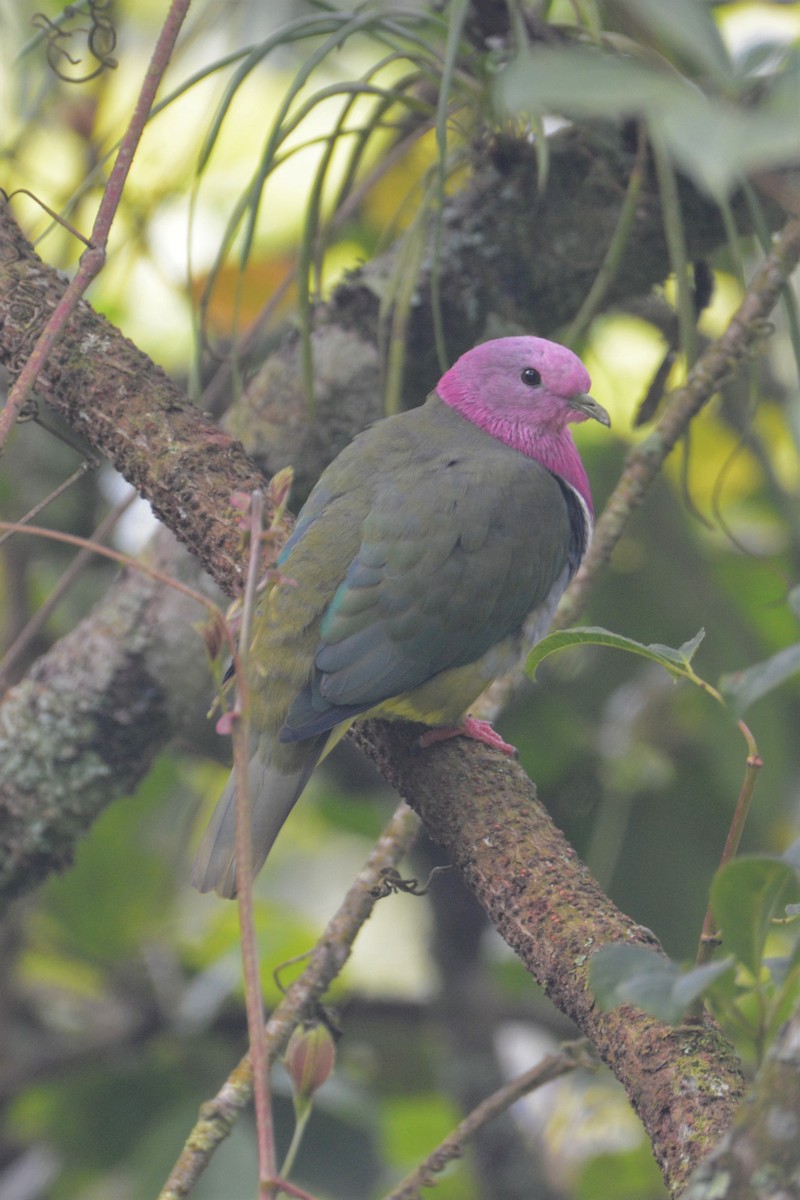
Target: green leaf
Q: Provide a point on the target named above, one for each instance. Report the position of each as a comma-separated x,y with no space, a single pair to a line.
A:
743,688
622,974
780,968
684,28
689,30
684,654
714,141
785,976
791,855
674,661
696,981
579,81
746,895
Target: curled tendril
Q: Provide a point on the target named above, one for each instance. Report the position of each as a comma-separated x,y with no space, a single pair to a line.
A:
392,883
101,39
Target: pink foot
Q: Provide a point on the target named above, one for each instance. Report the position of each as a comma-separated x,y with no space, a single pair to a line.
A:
471,727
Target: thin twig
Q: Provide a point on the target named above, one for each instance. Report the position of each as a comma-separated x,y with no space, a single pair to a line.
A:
93,258
254,1002
124,560
64,486
42,614
709,372
575,1054
709,938
218,1116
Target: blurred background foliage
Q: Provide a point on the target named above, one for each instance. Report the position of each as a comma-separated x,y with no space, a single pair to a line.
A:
120,986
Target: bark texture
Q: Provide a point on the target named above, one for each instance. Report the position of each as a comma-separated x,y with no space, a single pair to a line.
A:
128,408
758,1158
685,1083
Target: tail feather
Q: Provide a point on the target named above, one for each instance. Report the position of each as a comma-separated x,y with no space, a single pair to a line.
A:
273,794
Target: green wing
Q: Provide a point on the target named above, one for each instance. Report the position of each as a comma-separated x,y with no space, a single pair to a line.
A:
448,550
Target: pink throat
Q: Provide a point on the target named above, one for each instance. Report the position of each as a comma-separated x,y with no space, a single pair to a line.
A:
549,443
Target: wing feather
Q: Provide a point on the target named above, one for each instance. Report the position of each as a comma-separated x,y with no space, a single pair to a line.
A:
447,555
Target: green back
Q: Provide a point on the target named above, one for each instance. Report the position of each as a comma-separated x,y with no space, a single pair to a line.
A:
424,544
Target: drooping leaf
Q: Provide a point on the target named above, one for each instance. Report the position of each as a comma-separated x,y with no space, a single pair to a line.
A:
682,29
696,981
673,660
743,688
622,974
579,80
715,141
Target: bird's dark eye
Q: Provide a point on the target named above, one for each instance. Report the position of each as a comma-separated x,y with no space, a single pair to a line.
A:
531,377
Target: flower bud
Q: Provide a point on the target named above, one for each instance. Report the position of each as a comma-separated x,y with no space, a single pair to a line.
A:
310,1058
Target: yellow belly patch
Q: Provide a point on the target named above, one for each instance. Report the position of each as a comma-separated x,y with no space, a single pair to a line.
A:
443,700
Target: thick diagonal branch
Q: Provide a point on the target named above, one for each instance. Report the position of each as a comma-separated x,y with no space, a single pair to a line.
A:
542,899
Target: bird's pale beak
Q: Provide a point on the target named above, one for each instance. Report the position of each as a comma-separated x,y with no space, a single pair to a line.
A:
587,405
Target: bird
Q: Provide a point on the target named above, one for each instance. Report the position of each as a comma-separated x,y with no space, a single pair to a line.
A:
430,553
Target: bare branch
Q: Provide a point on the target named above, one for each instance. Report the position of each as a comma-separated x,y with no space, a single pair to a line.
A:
218,1116
484,812
552,1067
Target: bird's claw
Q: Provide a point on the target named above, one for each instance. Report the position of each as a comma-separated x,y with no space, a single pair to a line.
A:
471,727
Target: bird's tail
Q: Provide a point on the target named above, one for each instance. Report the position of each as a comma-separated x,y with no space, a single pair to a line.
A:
273,792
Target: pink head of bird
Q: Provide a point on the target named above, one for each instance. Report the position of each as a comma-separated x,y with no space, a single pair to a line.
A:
525,391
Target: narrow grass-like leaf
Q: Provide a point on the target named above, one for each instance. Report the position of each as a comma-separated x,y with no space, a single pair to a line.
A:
303,27
675,236
311,242
335,29
397,302
337,26
278,132
457,15
397,29
345,28
764,234
199,77
613,255
413,106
